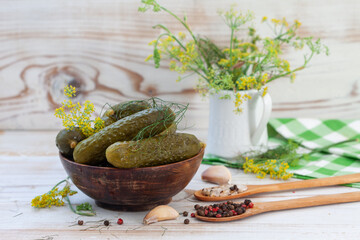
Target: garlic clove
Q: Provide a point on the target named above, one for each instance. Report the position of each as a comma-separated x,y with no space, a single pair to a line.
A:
217,174
160,213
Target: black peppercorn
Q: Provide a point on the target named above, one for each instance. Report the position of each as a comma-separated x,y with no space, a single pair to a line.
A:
231,207
106,223
186,221
197,206
80,222
247,201
201,212
185,213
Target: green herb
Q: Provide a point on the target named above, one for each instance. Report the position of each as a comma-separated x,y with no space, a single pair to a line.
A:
246,63
84,207
55,197
173,112
274,162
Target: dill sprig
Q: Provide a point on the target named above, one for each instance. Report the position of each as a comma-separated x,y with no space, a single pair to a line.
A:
274,162
56,197
245,63
75,115
173,113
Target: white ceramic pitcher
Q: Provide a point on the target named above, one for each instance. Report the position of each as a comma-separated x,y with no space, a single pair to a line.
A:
233,133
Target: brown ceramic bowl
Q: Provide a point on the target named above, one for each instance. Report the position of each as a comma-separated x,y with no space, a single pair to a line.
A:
133,189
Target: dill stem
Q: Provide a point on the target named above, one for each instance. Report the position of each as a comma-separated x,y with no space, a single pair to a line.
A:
231,44
188,29
59,183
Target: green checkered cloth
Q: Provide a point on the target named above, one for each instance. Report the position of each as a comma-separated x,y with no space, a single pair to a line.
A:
334,159
338,159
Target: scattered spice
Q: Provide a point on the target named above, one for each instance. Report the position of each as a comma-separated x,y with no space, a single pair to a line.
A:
226,209
224,190
106,223
120,221
192,214
187,221
80,222
185,213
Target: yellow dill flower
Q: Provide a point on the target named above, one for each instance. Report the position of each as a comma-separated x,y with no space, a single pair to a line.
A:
181,35
76,117
55,198
297,23
264,78
69,91
265,91
152,42
247,96
148,57
98,124
284,22
269,167
285,65
224,62
292,76
52,198
276,21
264,19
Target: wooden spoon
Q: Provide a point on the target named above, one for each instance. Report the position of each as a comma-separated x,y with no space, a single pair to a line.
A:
262,207
254,189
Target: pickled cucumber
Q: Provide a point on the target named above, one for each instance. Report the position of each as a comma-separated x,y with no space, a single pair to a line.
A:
66,141
122,110
125,109
143,124
108,120
154,151
170,130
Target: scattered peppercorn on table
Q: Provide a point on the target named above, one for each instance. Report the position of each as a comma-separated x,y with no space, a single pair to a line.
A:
30,166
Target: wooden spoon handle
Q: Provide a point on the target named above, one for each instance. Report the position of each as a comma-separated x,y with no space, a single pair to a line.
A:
321,182
309,202
262,207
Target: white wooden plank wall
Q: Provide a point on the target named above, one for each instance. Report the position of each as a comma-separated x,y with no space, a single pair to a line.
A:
101,45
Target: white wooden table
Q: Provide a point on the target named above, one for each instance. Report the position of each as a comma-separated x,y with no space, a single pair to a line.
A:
30,167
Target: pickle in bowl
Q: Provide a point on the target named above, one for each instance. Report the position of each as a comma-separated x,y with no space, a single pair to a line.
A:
154,151
146,123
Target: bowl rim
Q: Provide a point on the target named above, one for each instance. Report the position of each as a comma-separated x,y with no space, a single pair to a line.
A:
201,152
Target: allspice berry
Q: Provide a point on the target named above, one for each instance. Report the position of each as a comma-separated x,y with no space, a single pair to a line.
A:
187,221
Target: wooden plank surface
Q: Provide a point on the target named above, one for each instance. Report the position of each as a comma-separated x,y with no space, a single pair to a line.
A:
30,166
100,46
